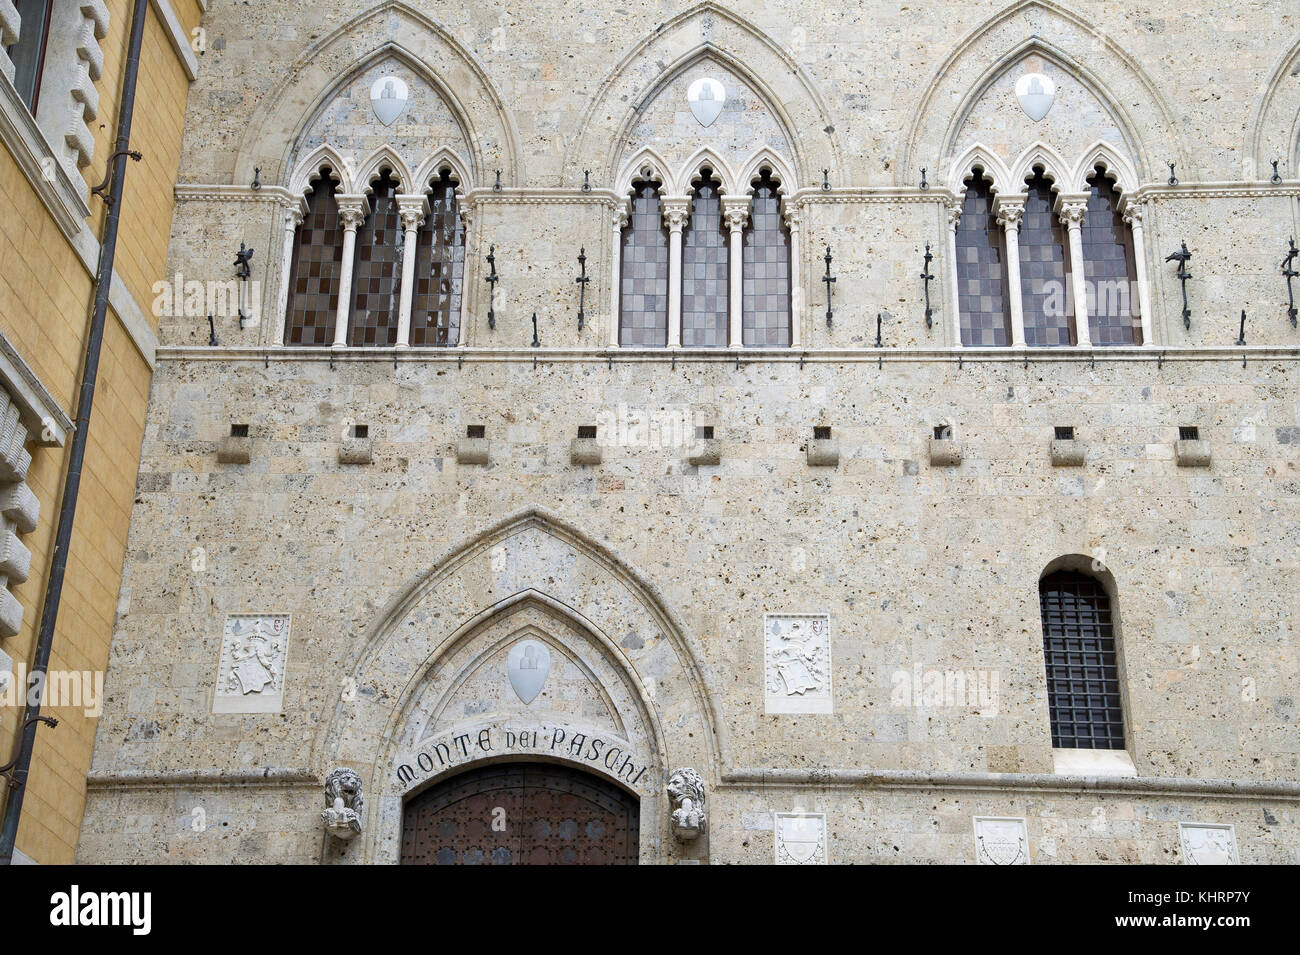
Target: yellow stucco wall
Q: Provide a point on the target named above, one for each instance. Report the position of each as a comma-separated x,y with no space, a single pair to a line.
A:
45,301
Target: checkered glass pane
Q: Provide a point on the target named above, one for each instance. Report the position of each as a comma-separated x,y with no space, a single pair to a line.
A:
981,276
643,296
706,277
1048,320
765,293
1109,266
1082,670
439,269
377,270
317,267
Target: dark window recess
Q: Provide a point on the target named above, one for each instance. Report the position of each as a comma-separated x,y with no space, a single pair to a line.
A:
586,431
361,431
704,432
942,432
317,267
1048,322
1189,434
1065,434
706,278
475,431
376,273
28,54
821,433
239,431
981,269
439,269
643,272
1082,667
765,283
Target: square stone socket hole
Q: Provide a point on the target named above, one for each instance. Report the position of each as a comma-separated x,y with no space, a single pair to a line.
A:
475,431
1064,433
942,432
1189,433
239,431
704,432
822,433
361,431
586,431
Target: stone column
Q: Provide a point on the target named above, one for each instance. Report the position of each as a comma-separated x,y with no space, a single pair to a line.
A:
1071,210
1009,211
1133,216
293,217
618,222
735,210
793,222
352,212
413,210
676,212
954,283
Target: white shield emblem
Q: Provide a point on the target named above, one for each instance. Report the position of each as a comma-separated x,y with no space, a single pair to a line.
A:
1001,841
388,96
800,837
528,663
1208,844
1036,93
706,97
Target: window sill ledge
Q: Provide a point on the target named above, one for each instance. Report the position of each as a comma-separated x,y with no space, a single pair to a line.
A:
64,198
1092,762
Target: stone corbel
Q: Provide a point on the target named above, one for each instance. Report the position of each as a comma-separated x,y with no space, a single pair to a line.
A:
689,816
344,804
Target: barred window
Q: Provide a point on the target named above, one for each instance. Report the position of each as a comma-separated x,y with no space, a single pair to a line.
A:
981,269
1043,290
439,269
706,279
28,54
317,267
1082,668
1110,267
376,273
765,298
643,296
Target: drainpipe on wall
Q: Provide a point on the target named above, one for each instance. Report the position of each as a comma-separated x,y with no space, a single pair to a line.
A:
77,453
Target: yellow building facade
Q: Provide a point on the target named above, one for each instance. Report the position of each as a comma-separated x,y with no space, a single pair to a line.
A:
62,71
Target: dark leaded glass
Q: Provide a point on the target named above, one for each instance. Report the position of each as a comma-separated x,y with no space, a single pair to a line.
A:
1044,293
1082,668
439,269
377,271
643,298
981,270
766,263
317,266
706,278
1109,266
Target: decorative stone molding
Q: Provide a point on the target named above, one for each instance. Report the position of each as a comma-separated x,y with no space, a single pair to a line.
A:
799,838
254,653
1207,843
19,510
344,804
90,27
1001,841
797,663
685,790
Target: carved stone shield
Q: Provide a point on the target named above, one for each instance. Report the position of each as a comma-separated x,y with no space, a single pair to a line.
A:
1036,93
1001,841
528,663
1208,843
706,97
800,838
388,96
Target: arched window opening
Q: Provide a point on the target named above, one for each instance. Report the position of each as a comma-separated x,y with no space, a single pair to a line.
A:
643,295
439,268
1045,297
981,269
376,275
706,282
1109,267
1083,691
766,261
317,267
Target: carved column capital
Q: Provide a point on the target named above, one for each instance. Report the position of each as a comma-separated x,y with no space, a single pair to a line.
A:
793,217
413,209
352,211
677,210
1009,210
954,215
735,211
1071,210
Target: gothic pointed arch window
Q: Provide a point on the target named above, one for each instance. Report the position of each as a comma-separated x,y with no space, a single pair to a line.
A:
1079,646
377,268
706,282
643,278
1110,267
316,268
1043,288
983,302
439,268
765,281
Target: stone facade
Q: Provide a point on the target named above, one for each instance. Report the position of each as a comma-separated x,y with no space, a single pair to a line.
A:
664,591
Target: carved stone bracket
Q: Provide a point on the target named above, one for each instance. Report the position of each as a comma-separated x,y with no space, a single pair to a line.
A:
344,803
686,792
